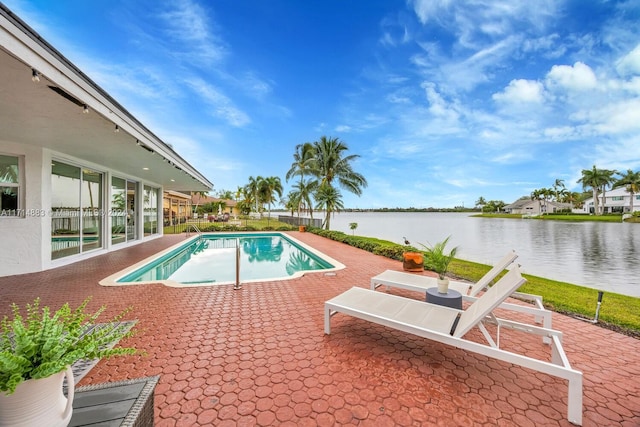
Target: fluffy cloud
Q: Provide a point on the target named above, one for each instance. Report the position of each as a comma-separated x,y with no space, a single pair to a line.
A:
579,77
521,91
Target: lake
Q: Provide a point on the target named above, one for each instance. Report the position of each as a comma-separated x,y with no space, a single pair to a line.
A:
598,255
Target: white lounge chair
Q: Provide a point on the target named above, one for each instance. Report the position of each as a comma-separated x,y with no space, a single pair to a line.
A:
469,291
448,326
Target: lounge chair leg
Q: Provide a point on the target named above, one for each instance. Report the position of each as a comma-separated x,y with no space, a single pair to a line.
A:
327,321
574,403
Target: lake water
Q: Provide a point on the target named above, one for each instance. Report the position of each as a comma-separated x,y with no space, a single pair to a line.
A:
598,255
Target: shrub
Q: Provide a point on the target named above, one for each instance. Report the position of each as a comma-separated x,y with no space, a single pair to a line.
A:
41,345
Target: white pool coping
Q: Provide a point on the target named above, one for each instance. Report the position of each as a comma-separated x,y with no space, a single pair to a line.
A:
112,280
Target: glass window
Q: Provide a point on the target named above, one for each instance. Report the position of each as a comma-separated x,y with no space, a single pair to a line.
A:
118,210
76,210
65,210
91,198
10,186
150,210
132,210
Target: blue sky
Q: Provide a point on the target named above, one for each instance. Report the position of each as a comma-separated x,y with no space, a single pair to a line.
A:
444,101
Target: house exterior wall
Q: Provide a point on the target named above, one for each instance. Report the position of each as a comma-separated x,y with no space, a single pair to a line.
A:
25,243
616,200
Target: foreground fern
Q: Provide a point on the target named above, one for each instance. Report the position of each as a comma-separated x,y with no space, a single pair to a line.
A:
42,345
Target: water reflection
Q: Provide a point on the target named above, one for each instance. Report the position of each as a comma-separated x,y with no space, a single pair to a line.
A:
597,255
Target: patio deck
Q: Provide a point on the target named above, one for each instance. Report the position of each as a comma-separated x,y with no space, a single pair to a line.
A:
258,356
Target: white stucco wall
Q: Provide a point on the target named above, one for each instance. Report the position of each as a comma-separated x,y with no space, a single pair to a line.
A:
21,249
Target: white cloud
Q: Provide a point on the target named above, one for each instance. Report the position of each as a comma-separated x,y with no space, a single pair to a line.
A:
187,24
221,106
343,128
579,77
630,63
521,91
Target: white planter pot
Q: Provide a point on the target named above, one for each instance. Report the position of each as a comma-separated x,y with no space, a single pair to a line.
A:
38,403
443,286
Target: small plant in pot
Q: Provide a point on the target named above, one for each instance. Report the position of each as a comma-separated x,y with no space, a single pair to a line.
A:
438,260
36,354
412,259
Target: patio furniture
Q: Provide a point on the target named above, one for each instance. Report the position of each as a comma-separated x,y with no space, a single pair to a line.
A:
451,299
127,403
449,326
469,291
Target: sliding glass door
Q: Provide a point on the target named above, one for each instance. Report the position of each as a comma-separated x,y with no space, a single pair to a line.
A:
76,209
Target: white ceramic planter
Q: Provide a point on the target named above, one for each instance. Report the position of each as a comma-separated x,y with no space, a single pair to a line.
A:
38,403
443,286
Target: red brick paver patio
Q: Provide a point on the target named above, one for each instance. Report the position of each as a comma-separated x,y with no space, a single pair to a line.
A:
258,356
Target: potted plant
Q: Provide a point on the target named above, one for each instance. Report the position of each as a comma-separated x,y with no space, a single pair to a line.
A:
438,260
412,259
36,354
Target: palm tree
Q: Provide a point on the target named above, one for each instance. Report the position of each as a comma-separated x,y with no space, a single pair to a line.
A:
537,195
301,166
304,190
331,165
268,188
251,190
481,202
631,182
595,179
201,195
225,194
558,188
608,180
329,199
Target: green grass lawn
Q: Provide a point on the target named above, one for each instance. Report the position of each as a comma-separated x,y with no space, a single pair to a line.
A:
556,217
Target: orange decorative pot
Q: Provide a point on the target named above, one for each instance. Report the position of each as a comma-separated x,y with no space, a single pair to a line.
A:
412,261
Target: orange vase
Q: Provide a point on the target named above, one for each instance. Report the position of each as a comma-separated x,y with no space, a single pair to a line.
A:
412,261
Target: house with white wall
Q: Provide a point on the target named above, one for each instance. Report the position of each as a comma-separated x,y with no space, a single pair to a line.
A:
534,207
616,200
79,175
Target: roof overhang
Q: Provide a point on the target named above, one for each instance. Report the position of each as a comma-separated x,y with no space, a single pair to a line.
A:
50,113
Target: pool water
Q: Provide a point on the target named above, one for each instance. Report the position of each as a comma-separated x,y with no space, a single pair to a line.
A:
212,258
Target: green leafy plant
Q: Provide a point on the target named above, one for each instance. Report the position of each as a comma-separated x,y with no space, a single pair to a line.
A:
42,344
437,259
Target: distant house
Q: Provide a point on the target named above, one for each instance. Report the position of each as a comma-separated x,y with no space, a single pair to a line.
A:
535,207
226,205
176,207
616,200
79,175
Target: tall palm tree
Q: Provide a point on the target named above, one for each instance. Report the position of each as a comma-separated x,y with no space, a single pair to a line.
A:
268,188
301,166
331,166
329,199
481,202
252,188
597,180
631,182
609,180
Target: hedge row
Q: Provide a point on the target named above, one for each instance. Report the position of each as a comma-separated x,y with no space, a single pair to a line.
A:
370,244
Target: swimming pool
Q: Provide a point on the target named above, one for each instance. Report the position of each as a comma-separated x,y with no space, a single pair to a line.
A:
211,259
